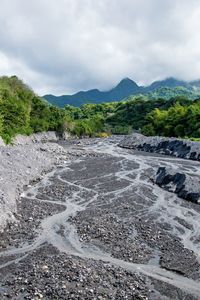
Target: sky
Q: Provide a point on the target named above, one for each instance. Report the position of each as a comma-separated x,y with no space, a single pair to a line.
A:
63,46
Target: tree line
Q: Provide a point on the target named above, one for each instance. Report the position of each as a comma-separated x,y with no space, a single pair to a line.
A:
23,112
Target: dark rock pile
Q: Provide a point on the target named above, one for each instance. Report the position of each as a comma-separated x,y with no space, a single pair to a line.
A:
185,186
168,146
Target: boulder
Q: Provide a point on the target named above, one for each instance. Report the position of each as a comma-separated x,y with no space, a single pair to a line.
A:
185,186
2,144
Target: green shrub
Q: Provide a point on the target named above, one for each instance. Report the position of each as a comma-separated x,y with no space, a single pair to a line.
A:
121,129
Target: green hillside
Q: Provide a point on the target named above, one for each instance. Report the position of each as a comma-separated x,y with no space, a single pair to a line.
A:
23,112
168,93
177,121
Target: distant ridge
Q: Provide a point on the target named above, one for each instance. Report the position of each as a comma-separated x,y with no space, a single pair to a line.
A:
168,82
123,89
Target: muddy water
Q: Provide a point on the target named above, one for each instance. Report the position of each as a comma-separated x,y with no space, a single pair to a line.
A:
118,183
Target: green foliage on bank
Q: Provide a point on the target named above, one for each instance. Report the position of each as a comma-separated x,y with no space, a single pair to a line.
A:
178,117
177,121
89,119
23,112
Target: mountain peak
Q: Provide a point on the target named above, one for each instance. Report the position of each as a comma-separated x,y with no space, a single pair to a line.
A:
127,82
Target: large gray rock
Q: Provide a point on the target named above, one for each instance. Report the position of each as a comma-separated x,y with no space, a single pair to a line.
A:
1,142
66,136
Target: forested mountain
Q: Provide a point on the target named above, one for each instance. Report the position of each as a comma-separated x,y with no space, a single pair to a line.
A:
167,88
195,84
168,82
125,88
168,93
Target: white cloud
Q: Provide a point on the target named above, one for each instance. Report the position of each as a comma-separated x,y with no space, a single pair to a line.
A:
67,45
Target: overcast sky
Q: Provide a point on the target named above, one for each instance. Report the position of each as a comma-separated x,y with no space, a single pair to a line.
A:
62,46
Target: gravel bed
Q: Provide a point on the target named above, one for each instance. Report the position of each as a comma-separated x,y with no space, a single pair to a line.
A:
93,210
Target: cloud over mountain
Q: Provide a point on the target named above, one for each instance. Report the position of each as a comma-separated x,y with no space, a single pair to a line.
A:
67,45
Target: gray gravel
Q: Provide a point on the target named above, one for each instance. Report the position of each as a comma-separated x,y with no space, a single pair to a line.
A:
21,164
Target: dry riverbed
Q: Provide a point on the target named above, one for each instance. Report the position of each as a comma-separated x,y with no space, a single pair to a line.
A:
98,227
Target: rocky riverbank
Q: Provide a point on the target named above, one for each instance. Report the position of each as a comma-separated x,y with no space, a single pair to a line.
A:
40,137
168,146
175,180
27,161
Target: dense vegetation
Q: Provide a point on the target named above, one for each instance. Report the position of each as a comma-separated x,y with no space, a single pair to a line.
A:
178,121
21,111
179,117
